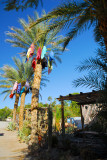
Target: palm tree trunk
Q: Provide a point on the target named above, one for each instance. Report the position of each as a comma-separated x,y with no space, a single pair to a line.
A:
49,128
15,107
21,113
34,101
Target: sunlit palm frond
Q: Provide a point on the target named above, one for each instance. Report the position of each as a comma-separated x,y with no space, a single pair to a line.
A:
77,16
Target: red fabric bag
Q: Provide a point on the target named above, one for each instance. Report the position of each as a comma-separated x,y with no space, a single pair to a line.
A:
39,53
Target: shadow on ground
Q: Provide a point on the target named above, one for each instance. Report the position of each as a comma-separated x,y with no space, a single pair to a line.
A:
71,147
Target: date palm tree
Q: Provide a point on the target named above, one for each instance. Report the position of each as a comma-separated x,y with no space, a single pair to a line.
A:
20,73
10,75
78,16
23,38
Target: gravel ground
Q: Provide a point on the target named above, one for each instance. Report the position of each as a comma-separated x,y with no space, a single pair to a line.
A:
10,148
3,124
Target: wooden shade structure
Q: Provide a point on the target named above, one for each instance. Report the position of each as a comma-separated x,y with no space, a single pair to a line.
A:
81,99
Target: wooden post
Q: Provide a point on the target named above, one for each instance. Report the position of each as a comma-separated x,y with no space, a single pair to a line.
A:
82,118
63,122
55,118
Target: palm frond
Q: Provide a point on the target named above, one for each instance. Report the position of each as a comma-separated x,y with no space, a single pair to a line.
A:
93,80
7,94
77,16
20,4
5,91
5,86
97,76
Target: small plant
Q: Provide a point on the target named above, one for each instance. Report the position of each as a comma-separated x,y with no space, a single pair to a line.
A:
11,126
24,134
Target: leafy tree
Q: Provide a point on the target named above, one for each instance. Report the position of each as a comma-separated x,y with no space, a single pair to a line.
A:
20,4
20,38
78,16
50,99
4,113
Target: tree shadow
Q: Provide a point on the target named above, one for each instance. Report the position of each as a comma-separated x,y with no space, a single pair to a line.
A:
1,134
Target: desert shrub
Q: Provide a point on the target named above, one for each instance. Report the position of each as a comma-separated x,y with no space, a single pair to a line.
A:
24,134
26,128
11,126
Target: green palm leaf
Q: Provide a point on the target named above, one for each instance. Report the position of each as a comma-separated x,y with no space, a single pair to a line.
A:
77,16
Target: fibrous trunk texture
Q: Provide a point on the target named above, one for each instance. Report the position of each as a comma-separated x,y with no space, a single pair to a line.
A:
49,128
34,102
21,113
15,107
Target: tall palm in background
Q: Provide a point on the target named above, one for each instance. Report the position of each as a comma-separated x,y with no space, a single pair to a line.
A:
78,16
23,38
20,73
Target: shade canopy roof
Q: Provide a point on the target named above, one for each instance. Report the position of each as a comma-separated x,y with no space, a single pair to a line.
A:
83,98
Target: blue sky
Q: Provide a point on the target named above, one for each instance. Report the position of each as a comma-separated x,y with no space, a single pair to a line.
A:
62,76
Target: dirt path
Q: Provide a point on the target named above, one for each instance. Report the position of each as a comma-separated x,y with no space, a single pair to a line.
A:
10,148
